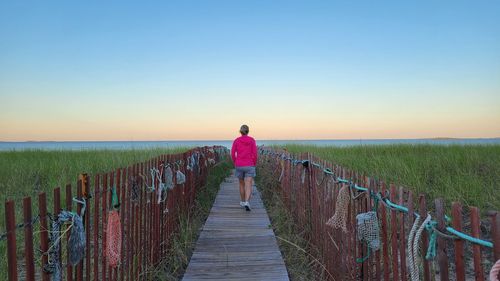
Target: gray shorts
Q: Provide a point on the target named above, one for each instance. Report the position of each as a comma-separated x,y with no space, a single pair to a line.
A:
245,172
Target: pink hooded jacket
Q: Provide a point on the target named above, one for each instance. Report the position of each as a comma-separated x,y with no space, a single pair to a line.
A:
244,151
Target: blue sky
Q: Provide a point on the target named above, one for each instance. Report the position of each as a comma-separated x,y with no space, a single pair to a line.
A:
88,70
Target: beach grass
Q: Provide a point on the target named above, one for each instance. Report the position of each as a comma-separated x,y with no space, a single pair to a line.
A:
469,174
29,172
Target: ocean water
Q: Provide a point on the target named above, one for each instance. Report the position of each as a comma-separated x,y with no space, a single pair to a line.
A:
79,145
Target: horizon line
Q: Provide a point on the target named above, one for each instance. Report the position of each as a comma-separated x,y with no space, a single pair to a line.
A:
208,140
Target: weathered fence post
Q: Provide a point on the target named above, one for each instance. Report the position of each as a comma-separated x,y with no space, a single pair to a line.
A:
441,242
456,209
10,221
44,233
28,240
475,222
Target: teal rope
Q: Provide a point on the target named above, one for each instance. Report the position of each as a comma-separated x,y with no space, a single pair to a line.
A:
375,204
363,259
115,203
431,249
393,206
469,238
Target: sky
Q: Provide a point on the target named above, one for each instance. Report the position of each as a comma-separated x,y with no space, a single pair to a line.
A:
197,70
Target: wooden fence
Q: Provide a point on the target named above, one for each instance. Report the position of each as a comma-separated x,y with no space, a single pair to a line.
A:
310,195
146,225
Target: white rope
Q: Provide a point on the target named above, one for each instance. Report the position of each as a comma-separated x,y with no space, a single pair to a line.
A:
303,177
414,268
282,164
495,270
411,264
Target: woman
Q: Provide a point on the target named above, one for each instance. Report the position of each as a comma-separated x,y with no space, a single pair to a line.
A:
244,155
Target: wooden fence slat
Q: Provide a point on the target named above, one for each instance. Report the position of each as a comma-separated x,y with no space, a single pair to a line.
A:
425,238
116,185
476,249
140,223
104,210
69,207
385,240
495,234
394,236
402,236
378,260
133,214
44,233
97,210
79,194
123,213
10,221
57,209
110,204
411,211
441,242
28,240
88,229
456,210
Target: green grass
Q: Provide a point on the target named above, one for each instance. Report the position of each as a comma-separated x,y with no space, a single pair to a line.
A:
184,241
26,173
296,252
469,174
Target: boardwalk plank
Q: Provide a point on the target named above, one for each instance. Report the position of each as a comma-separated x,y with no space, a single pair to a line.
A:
235,244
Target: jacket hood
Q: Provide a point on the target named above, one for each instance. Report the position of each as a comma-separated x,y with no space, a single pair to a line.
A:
246,140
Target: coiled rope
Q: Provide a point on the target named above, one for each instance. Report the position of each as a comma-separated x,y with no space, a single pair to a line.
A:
409,246
413,246
495,271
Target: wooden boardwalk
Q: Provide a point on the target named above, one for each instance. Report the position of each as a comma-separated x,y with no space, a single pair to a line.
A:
235,244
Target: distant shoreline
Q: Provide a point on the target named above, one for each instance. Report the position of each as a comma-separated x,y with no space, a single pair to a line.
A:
272,140
128,145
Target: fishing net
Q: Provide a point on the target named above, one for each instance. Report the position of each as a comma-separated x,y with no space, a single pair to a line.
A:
180,177
193,162
76,242
135,189
339,219
368,230
169,178
75,247
113,238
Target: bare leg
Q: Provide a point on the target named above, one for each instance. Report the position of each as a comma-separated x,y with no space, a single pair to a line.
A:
248,188
242,190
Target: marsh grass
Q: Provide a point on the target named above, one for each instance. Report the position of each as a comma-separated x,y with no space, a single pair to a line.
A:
466,173
28,172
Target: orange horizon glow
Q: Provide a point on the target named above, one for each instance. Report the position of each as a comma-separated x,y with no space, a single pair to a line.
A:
78,71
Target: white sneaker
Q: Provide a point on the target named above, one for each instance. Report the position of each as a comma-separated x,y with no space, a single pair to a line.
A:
242,204
247,206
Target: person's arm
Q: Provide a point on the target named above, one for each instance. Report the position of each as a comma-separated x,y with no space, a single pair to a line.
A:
254,153
233,152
